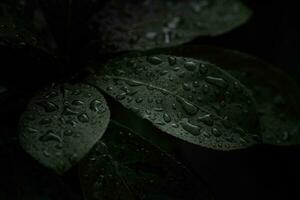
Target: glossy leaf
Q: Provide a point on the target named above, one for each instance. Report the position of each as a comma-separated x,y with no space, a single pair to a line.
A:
142,25
124,166
187,98
276,93
62,123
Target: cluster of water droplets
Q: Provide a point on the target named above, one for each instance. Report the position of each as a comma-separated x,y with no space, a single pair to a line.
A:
182,94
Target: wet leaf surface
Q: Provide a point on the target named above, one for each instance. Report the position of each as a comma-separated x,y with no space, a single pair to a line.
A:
124,166
62,123
276,93
187,98
141,25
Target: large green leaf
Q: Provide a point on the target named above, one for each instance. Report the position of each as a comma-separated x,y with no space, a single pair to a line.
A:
140,25
62,123
124,166
276,93
187,98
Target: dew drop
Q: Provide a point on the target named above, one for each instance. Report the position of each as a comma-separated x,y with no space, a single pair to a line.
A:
189,108
139,100
69,111
68,132
45,121
167,118
219,82
84,118
77,103
206,119
215,132
172,60
97,106
48,106
190,65
50,135
205,88
154,60
121,96
203,68
191,128
186,87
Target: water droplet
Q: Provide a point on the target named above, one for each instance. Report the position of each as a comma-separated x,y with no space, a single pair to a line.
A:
46,153
69,111
84,118
48,106
203,68
68,132
167,118
50,135
174,125
186,87
164,72
109,88
190,65
154,60
97,106
31,130
139,100
158,109
205,88
216,132
51,94
121,96
77,103
189,108
45,121
191,128
219,82
206,119
196,84
172,60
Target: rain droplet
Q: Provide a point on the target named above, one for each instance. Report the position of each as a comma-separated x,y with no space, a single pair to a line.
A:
167,118
190,65
206,119
97,106
69,111
219,82
203,68
205,88
191,128
77,103
50,135
51,94
186,87
196,84
121,96
172,60
216,132
45,121
154,60
189,108
139,100
68,132
31,130
48,106
84,118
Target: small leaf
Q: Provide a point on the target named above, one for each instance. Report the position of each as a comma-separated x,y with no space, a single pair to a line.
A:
125,166
143,25
187,98
62,123
276,93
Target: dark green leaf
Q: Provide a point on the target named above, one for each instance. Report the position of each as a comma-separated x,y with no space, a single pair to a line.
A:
187,98
277,94
124,166
62,123
141,25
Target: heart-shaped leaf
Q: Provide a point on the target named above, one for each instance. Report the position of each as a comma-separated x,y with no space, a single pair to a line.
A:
141,25
125,166
276,93
187,98
62,123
